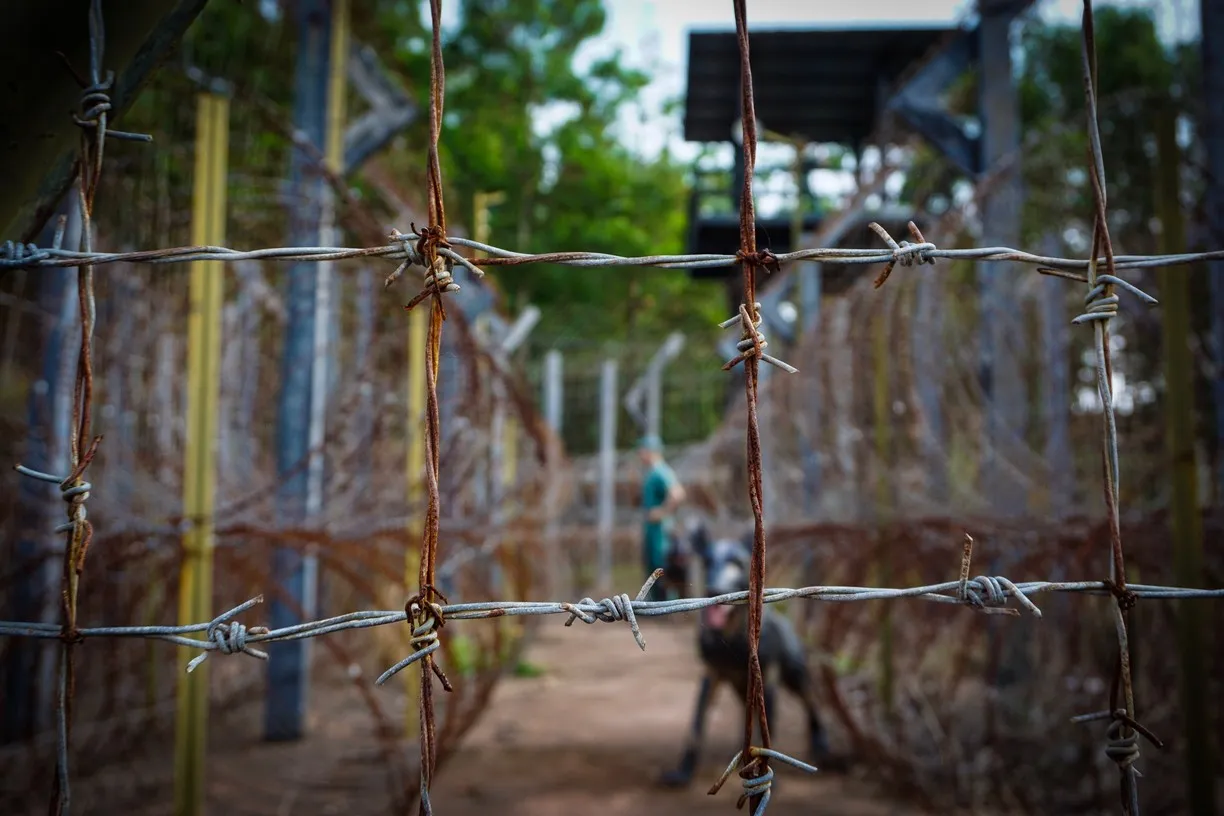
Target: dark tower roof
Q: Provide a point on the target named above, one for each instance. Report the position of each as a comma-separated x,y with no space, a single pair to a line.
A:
822,84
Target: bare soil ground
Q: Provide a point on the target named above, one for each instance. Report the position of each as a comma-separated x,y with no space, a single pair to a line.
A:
592,734
589,735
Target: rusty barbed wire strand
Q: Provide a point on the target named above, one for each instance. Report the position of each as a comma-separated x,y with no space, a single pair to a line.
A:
1123,746
75,489
754,770
432,250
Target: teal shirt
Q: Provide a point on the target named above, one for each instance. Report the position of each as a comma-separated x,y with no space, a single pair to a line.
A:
655,488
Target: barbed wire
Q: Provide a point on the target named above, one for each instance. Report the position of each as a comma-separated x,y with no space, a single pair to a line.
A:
986,594
75,489
435,252
905,253
1123,744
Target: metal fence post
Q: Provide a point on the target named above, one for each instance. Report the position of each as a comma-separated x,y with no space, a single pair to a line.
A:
28,683
607,470
1056,401
289,662
553,390
200,465
418,326
1185,516
325,310
810,281
1212,31
1003,383
1001,380
553,408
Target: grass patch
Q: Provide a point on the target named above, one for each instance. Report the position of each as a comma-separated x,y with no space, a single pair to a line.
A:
527,669
464,654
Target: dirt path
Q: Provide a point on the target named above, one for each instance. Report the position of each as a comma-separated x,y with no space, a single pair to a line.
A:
591,734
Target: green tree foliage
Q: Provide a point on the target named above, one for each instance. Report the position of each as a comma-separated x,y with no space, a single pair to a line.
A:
1139,81
512,67
525,115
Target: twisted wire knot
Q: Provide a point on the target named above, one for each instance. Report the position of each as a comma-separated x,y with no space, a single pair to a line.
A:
17,254
986,593
411,256
438,267
757,785
752,340
1122,749
1126,598
904,253
229,637
763,258
614,609
989,594
95,101
431,251
427,619
1102,302
610,610
75,493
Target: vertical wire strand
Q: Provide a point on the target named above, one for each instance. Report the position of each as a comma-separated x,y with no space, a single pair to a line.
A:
755,701
437,314
80,531
1104,374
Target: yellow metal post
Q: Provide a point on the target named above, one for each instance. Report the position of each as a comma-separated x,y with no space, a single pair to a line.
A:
333,150
513,627
199,472
417,329
482,203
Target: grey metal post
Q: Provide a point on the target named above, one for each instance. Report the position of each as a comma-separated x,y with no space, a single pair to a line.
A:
649,385
607,469
29,671
1001,381
654,401
289,662
810,282
1212,28
927,342
553,416
362,354
513,337
553,390
1056,401
1005,403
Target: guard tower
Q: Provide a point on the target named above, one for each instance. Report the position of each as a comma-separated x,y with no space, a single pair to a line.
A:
840,86
830,86
813,86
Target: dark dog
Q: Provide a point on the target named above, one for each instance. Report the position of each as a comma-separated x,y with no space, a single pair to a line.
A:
723,645
676,566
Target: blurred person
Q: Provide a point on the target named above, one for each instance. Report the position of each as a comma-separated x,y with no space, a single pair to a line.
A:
662,494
